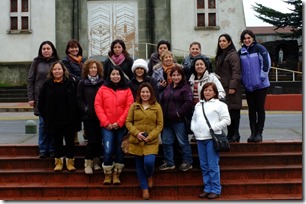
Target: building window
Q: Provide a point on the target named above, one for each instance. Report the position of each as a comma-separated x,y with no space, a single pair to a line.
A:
20,16
206,13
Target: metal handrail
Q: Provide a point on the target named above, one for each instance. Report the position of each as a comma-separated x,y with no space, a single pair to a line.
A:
277,69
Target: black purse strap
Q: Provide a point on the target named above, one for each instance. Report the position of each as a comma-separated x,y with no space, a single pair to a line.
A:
207,121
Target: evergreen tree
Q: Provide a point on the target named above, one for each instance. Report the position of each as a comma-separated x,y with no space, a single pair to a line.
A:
281,20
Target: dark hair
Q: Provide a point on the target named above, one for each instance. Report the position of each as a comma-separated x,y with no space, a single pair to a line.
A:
195,43
88,63
152,98
179,69
231,46
199,57
246,31
164,42
214,87
65,70
123,84
54,54
74,43
124,51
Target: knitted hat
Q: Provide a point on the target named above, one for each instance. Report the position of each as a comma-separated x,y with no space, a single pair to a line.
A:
140,63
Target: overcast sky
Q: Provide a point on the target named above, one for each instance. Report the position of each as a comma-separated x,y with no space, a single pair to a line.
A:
252,20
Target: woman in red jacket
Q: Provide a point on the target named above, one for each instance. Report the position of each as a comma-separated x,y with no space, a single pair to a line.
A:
112,104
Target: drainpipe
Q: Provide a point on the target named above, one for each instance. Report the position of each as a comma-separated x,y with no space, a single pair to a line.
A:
75,19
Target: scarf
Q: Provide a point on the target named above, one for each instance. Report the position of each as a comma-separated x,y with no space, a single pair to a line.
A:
118,59
94,80
77,59
167,70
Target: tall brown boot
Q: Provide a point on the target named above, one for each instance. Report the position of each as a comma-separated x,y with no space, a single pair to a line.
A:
145,194
108,173
117,171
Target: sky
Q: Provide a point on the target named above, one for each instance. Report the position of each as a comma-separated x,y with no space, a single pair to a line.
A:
252,20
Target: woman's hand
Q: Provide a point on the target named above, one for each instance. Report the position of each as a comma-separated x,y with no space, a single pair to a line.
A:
115,126
231,91
31,103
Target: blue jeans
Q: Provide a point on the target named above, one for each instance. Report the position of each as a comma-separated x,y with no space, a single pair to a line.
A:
112,144
169,133
144,168
45,141
209,163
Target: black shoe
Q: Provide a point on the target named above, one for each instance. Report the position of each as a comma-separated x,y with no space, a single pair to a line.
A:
43,155
251,138
258,137
235,138
203,195
213,196
52,155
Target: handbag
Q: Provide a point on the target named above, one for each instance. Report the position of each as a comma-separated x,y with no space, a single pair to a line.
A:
220,141
125,143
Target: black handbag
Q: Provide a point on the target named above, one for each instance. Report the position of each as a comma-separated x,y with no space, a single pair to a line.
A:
221,143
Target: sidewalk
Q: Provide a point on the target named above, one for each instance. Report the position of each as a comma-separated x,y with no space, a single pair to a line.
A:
279,125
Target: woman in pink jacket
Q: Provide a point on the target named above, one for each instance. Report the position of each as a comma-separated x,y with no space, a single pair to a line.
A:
112,104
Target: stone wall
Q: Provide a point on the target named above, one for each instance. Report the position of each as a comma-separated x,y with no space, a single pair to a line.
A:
14,74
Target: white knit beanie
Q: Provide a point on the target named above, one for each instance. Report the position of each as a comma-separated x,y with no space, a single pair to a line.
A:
140,63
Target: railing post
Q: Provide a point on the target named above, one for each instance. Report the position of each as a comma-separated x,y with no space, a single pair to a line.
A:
293,76
146,50
276,75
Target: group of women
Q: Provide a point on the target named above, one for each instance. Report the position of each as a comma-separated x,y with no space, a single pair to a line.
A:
148,101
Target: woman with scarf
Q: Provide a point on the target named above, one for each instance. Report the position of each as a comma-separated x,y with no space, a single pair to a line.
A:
37,75
74,61
118,56
161,71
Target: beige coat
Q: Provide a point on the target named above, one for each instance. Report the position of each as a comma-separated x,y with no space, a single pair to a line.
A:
141,120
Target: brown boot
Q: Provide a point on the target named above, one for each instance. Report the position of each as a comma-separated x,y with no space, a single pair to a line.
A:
108,173
70,164
150,182
145,194
117,171
58,164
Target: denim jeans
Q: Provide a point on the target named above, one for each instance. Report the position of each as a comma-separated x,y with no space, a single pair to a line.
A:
144,169
209,163
45,141
112,144
169,133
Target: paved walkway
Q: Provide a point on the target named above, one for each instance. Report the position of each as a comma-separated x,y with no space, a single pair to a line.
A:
279,125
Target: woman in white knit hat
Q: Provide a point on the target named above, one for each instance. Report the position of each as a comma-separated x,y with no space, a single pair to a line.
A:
140,71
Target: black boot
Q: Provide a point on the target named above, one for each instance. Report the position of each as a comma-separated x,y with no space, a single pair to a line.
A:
258,137
230,132
235,137
253,133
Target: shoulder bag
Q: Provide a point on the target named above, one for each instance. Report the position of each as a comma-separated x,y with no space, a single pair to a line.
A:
221,143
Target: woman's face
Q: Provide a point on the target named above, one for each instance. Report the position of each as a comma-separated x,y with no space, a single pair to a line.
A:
145,94
248,40
46,51
115,76
162,48
200,67
139,71
223,43
74,50
194,50
176,77
209,93
93,70
118,49
168,60
58,72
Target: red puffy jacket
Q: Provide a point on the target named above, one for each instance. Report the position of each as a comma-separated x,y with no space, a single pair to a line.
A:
113,106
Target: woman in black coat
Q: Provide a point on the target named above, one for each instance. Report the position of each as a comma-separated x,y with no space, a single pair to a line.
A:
58,108
87,88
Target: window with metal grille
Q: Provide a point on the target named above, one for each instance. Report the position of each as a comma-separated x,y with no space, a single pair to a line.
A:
19,15
206,13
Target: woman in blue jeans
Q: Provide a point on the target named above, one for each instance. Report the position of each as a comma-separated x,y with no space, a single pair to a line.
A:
176,103
144,122
219,118
112,103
